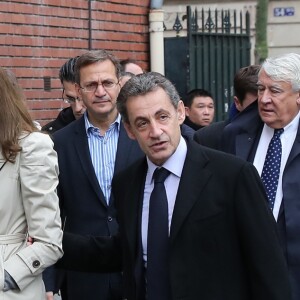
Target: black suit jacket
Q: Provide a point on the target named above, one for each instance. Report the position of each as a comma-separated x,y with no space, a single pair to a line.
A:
210,136
83,205
241,138
223,239
64,118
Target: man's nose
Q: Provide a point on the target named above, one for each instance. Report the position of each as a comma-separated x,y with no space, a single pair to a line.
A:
78,105
100,90
206,110
155,130
265,96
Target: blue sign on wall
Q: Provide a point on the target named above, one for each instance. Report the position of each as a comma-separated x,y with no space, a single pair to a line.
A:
284,11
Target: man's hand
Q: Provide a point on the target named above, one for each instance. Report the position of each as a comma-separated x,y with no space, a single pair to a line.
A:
30,241
49,296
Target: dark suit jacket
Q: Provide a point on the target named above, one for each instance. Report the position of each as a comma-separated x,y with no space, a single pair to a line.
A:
64,118
83,205
223,239
215,135
210,136
242,139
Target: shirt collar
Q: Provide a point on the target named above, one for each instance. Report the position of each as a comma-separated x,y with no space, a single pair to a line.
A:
175,162
291,127
89,126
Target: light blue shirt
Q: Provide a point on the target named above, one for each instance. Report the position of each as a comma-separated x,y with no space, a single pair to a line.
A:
175,165
103,149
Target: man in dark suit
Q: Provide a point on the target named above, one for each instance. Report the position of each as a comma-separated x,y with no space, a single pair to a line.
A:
245,93
91,151
248,138
221,241
199,108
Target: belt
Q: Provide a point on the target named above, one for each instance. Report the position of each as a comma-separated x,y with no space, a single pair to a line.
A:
12,238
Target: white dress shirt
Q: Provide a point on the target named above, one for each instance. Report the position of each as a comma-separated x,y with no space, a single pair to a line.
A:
175,165
287,140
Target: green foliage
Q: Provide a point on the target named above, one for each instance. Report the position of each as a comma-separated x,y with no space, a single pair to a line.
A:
261,46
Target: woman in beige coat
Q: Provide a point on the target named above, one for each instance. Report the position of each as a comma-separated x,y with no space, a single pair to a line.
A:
28,200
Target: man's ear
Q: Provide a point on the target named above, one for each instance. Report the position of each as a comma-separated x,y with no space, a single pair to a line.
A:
181,110
298,99
119,84
187,111
129,130
237,103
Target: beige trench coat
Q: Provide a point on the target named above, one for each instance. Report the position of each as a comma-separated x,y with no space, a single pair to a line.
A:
28,203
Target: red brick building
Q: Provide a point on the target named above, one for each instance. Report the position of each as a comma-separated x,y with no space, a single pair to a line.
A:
38,36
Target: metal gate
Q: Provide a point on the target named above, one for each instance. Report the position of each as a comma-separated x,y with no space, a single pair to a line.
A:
218,45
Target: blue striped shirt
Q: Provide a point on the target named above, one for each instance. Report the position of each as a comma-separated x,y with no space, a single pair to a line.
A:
103,151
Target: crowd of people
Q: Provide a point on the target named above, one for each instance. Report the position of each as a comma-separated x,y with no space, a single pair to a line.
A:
139,208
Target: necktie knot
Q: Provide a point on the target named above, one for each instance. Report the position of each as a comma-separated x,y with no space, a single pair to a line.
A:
160,175
278,132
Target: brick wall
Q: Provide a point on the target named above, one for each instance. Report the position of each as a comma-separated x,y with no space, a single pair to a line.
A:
38,36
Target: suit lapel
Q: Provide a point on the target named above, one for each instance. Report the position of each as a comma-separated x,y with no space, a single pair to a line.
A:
295,151
125,145
133,206
243,146
193,179
247,140
82,148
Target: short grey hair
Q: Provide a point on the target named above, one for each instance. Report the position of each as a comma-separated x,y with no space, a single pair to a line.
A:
143,84
92,57
285,67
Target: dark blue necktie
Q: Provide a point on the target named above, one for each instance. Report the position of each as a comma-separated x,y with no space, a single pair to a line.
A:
271,169
158,286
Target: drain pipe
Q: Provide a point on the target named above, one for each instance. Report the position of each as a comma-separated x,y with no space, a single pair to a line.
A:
156,29
90,23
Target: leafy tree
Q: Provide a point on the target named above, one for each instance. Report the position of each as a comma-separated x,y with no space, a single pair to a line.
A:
261,46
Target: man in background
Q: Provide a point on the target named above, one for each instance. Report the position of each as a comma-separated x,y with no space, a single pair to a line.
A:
199,108
76,108
130,66
244,106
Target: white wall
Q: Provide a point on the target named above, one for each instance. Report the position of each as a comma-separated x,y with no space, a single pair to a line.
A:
283,31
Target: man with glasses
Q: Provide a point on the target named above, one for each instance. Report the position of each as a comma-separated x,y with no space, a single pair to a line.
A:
76,108
91,150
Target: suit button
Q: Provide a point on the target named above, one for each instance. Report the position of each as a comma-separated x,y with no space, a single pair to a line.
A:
109,218
36,264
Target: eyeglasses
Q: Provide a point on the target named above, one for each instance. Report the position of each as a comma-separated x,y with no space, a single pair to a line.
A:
69,99
92,86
